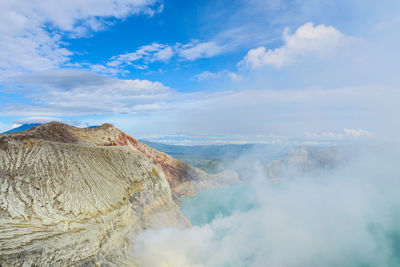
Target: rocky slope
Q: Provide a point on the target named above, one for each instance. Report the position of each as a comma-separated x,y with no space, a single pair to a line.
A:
71,196
305,159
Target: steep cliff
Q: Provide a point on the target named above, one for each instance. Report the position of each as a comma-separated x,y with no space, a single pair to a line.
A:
70,196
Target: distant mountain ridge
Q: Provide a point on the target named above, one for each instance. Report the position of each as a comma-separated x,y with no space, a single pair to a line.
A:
216,158
216,151
27,126
22,128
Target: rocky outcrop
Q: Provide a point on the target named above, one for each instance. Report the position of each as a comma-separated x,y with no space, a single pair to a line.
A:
305,159
70,196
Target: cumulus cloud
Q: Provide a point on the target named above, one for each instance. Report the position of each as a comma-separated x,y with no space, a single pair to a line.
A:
32,30
308,41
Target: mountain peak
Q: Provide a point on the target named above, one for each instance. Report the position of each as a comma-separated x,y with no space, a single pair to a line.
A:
181,176
64,187
106,126
55,131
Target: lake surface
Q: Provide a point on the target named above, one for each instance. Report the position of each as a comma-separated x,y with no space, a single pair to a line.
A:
206,208
218,202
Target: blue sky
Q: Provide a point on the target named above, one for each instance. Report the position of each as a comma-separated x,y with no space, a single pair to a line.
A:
235,71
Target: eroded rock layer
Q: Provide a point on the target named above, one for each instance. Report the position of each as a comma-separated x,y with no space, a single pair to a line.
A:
70,196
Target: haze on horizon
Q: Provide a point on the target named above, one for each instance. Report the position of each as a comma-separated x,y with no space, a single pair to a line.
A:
238,71
212,72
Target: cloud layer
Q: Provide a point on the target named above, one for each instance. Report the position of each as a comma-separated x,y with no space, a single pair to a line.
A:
156,52
289,112
77,92
321,78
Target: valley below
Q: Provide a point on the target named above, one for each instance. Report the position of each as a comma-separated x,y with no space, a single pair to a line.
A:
98,197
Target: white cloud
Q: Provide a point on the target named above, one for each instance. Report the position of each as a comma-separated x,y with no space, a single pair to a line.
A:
101,69
32,120
148,107
196,50
346,134
147,53
345,216
15,125
288,112
234,76
196,139
31,30
324,135
308,41
162,53
356,132
77,92
207,75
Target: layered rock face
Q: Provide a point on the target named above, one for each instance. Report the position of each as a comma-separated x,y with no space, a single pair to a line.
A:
71,196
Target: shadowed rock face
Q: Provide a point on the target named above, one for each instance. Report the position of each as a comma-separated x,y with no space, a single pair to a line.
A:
70,196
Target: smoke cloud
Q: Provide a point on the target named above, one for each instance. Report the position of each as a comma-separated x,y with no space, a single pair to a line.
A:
345,216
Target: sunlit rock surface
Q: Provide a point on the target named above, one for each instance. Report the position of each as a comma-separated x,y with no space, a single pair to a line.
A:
72,196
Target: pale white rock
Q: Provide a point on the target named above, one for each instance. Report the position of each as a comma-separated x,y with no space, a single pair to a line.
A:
71,196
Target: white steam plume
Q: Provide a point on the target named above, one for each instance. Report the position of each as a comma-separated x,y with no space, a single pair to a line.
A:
347,216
